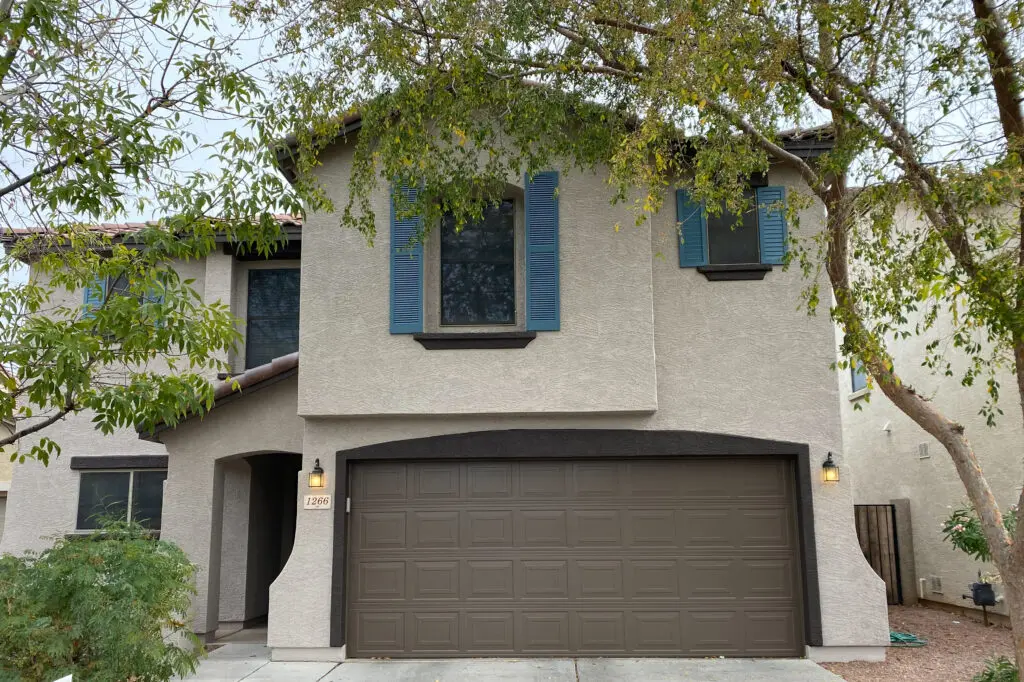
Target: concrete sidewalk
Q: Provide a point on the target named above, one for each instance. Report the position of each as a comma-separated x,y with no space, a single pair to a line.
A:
251,662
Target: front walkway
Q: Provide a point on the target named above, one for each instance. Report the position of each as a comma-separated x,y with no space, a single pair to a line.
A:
250,662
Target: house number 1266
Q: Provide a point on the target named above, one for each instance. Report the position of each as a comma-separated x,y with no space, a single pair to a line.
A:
316,502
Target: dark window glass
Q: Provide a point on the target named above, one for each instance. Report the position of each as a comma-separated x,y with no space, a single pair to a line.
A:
478,272
148,497
103,495
731,240
272,316
118,286
858,377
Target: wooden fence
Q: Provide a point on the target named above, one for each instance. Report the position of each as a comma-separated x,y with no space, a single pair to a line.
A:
876,530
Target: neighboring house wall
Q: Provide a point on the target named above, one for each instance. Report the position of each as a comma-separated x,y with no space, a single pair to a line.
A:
883,451
43,500
643,344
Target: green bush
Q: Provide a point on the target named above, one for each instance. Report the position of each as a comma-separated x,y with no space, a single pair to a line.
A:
104,607
999,669
963,530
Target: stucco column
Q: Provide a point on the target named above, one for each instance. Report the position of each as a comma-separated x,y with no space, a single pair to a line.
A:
193,520
299,623
234,541
220,273
905,548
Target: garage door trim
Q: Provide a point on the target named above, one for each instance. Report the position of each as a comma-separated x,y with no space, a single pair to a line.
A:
565,444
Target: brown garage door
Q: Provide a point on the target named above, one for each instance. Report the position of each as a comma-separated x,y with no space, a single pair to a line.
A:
694,556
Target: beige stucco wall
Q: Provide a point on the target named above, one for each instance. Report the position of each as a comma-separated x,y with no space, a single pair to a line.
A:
882,447
602,360
637,333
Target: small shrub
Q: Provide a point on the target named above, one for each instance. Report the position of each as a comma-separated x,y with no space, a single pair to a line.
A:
999,669
105,607
963,530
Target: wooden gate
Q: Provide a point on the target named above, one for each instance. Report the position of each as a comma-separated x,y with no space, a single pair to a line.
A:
876,530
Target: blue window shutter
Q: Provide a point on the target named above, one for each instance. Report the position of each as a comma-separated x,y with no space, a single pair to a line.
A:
693,230
93,296
771,223
543,307
406,269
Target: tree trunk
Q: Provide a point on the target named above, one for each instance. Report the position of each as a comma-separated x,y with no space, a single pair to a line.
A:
1013,593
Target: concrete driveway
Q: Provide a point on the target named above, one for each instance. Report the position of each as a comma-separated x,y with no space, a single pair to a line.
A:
250,662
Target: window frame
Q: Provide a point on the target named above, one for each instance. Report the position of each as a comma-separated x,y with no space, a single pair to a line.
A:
432,276
128,503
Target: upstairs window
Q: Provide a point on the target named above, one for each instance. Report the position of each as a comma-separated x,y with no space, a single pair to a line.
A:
272,315
858,377
478,269
121,495
732,239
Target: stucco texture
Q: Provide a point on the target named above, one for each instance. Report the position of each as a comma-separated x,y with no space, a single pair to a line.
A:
730,357
883,453
602,360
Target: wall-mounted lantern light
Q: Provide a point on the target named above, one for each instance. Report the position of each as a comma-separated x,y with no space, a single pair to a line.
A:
829,470
317,479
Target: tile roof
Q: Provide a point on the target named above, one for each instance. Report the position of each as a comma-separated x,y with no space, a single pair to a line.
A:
12,234
240,386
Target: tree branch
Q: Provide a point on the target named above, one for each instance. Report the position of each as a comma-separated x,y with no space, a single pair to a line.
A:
38,426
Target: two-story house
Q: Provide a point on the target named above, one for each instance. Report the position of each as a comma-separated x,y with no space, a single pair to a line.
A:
537,436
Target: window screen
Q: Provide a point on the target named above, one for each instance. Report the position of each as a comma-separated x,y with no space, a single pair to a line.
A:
858,377
478,272
272,315
732,241
103,495
148,497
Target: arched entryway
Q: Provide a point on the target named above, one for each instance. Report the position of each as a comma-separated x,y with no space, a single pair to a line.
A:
260,503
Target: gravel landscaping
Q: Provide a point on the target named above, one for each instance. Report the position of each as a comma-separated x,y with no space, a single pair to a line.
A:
956,651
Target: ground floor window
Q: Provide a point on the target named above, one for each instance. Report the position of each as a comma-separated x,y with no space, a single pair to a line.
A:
122,495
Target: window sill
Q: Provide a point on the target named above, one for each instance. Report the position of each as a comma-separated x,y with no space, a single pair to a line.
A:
734,272
474,340
857,395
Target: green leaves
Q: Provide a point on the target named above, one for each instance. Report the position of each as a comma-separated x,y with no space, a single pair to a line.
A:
964,531
105,606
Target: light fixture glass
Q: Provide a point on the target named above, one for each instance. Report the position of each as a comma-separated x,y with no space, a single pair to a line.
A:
317,478
829,470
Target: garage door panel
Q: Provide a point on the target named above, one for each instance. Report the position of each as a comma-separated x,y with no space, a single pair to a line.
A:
434,580
489,481
543,480
488,529
584,557
601,631
713,633
543,632
545,580
654,632
651,528
652,579
488,580
433,530
382,482
378,530
769,633
379,632
434,632
380,581
767,528
767,579
596,479
489,632
595,528
542,528
597,579
436,481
